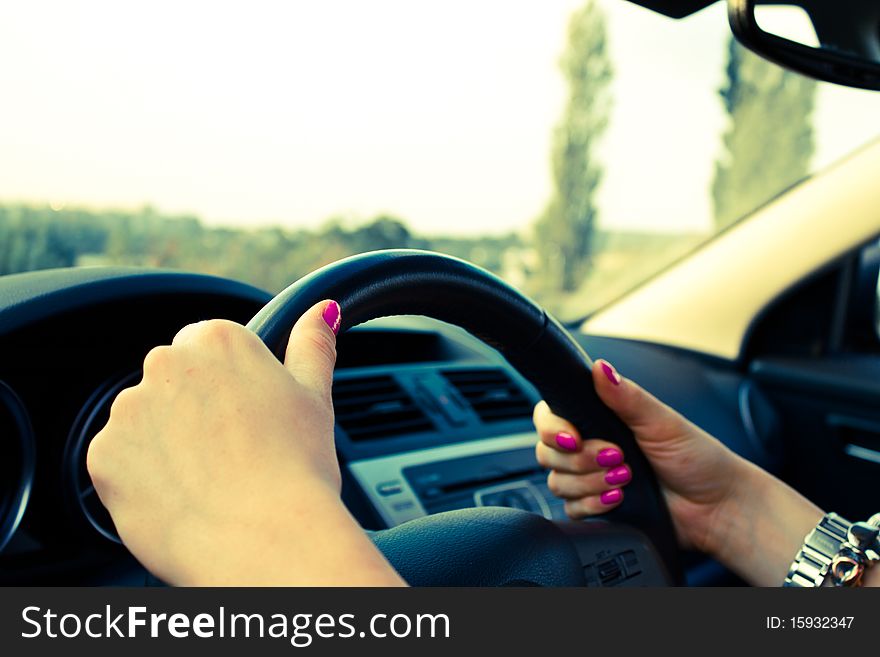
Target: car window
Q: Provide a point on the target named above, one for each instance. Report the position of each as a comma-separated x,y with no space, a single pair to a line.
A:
574,148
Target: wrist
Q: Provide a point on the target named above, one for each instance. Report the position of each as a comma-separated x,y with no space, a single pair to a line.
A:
730,513
304,536
244,539
762,526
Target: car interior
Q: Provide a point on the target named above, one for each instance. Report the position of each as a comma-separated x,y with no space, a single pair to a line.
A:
441,363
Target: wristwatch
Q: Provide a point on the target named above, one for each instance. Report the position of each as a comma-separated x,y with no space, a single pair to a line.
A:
810,566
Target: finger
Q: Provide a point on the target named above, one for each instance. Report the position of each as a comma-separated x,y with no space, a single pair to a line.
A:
594,504
102,465
311,350
187,333
575,486
593,456
555,432
637,408
220,337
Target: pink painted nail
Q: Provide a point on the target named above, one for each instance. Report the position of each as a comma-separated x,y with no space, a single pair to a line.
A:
333,316
609,457
611,373
612,496
566,441
617,476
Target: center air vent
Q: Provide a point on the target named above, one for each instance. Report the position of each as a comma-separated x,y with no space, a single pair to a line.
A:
376,407
492,394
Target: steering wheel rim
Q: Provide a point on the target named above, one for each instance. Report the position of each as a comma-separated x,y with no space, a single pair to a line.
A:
412,282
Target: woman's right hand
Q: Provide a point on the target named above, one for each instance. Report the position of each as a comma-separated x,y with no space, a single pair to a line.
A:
720,503
698,474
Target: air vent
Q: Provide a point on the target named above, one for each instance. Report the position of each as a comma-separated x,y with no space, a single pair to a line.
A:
376,407
491,393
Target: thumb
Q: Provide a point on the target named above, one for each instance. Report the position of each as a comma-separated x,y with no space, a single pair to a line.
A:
311,350
648,417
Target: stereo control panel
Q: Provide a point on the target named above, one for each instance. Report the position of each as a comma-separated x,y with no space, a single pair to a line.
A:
494,472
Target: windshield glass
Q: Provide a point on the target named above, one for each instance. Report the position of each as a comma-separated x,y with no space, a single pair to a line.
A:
574,148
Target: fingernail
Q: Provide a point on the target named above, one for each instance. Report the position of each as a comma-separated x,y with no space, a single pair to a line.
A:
333,316
611,373
609,457
612,496
619,475
566,441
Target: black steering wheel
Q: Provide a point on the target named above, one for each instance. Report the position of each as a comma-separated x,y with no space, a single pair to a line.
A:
511,547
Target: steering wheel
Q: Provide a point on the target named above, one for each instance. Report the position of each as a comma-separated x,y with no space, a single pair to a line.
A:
484,545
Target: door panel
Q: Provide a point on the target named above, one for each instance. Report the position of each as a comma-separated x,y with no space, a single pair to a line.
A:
830,427
815,354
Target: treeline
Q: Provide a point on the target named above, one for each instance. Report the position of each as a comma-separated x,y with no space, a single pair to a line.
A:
39,237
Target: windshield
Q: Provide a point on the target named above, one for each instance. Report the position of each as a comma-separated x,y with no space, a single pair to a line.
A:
574,148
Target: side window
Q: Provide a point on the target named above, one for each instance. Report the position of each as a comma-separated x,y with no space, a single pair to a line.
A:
836,311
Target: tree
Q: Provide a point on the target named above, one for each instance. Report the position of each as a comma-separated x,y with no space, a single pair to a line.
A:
38,237
30,239
769,141
564,233
383,232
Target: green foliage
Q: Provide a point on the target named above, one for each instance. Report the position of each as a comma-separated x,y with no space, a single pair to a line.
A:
271,258
564,234
769,142
27,243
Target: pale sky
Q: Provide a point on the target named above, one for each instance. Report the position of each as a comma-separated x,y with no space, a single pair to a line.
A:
290,112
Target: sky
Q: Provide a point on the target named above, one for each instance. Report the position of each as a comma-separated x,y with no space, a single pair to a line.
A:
289,112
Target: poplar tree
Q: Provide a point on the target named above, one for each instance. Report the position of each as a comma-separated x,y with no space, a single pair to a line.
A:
564,233
769,140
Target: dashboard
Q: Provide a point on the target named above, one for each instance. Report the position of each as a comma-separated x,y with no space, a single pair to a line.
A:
429,419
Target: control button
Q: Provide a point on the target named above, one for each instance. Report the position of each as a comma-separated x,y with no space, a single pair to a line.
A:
431,493
427,400
512,499
427,479
557,511
451,409
630,563
403,506
387,488
454,414
590,576
609,572
516,495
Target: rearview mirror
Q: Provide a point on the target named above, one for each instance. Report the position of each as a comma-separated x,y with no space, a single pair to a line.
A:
835,41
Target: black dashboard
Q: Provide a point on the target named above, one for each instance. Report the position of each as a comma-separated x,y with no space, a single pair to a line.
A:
429,419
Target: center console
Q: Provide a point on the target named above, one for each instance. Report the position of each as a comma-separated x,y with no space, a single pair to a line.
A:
498,471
